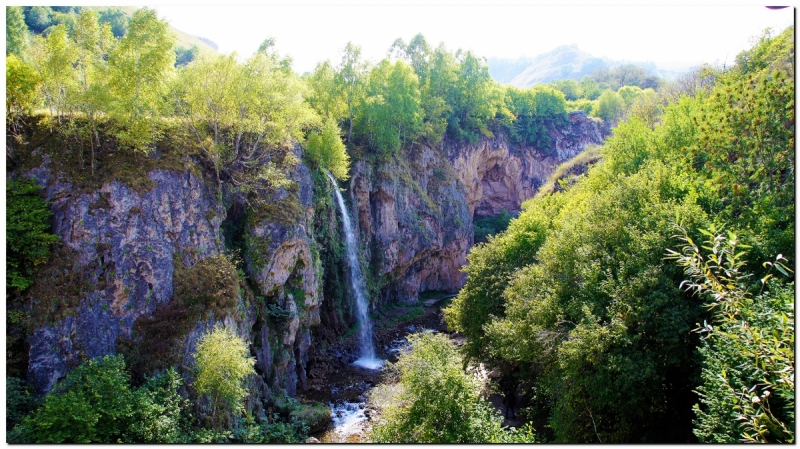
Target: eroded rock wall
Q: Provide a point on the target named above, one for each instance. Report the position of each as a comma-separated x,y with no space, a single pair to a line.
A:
414,221
413,224
415,215
129,243
499,176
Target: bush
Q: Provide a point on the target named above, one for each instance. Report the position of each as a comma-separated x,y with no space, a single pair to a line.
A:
486,226
437,402
19,401
159,412
316,416
92,405
95,404
327,150
747,393
276,431
222,364
28,238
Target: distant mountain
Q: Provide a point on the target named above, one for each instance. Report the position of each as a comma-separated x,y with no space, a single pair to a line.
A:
564,62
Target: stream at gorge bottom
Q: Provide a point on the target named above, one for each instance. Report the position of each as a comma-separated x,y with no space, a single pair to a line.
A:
344,386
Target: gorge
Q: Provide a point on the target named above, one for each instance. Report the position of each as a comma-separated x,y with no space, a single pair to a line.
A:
130,251
204,248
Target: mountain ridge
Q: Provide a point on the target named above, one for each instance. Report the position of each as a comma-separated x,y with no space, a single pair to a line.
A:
563,62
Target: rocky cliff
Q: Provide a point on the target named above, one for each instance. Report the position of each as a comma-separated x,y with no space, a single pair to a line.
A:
145,268
142,272
415,212
497,176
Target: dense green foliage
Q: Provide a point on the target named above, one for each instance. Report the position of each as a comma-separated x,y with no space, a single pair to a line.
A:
28,238
16,31
426,94
222,363
138,67
486,226
438,402
536,109
748,354
592,315
327,150
95,403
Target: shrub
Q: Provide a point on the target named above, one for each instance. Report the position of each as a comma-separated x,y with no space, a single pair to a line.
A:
747,393
159,412
222,364
28,238
437,402
93,404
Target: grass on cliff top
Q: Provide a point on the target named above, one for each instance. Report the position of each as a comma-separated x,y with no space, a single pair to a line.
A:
589,155
70,154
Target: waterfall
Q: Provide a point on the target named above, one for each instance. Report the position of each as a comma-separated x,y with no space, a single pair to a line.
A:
367,359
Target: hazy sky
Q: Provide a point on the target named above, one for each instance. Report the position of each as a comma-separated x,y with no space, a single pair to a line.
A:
311,32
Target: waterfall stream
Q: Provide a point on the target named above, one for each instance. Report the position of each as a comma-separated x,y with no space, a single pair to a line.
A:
367,359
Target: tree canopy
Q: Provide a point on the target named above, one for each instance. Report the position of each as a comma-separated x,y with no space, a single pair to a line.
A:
577,297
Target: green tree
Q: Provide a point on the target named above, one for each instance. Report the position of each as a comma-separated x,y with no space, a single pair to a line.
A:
327,150
435,69
570,88
38,18
183,56
391,115
117,19
535,110
647,107
629,94
28,236
207,95
438,402
139,68
242,116
93,43
160,414
19,401
474,98
489,272
222,364
53,58
610,106
352,77
747,393
590,88
325,95
16,31
22,82
93,404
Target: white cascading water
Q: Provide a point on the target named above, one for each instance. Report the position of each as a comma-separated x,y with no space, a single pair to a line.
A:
367,359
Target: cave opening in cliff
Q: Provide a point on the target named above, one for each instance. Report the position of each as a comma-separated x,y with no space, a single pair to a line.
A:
232,227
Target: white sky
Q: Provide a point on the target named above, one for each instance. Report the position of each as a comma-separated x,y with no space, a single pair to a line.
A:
311,32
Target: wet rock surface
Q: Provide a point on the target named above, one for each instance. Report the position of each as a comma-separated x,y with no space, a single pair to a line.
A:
335,381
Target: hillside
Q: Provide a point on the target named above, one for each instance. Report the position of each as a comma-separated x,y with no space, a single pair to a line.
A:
564,62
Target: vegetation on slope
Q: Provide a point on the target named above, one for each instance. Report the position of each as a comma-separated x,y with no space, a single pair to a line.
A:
575,299
592,316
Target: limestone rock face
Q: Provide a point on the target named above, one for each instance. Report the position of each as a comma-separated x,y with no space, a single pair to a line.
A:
415,217
497,176
136,237
414,225
129,243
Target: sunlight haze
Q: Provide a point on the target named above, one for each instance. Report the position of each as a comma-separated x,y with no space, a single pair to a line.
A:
671,36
